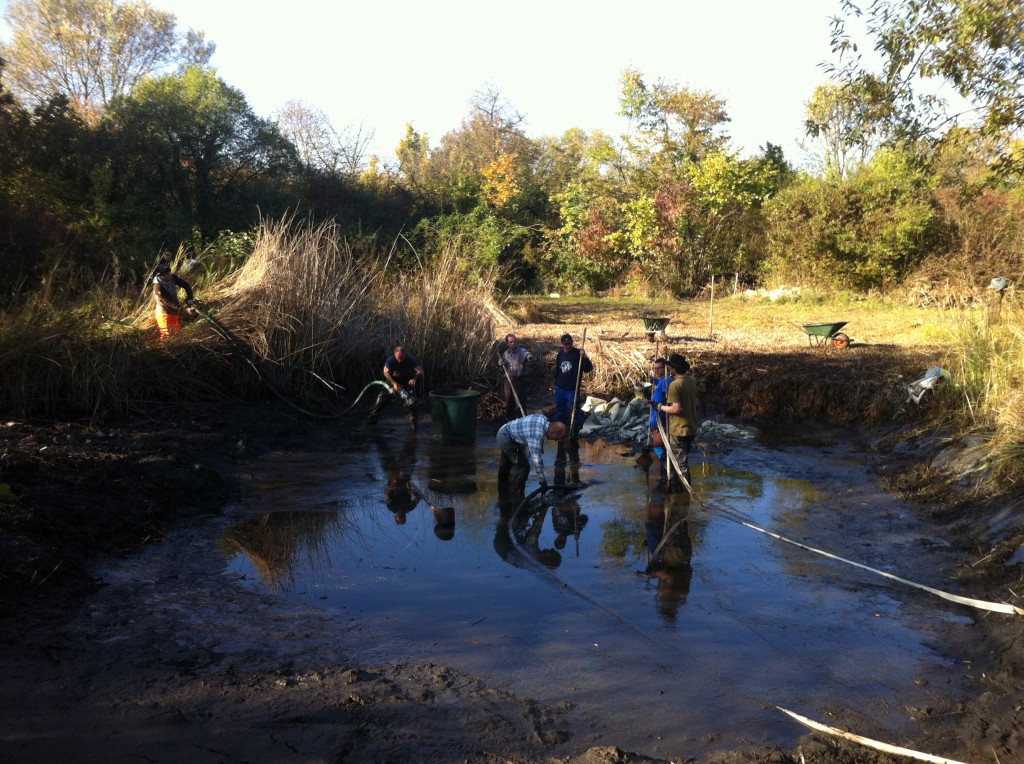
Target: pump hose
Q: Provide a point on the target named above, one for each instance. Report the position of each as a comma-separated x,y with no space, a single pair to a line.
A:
247,354
512,520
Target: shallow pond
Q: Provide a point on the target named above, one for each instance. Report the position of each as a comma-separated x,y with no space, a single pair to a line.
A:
671,655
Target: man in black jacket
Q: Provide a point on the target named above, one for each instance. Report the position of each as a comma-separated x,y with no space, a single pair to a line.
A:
570,364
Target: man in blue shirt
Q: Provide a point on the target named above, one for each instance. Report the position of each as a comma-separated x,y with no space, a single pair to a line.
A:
660,380
522,444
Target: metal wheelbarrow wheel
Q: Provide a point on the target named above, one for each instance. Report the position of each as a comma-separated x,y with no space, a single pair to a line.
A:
841,341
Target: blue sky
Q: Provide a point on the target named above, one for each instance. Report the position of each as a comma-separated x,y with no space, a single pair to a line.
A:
385,63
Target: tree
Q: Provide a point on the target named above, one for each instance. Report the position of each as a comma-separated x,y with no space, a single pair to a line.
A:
845,123
671,125
867,231
189,147
92,51
974,46
320,146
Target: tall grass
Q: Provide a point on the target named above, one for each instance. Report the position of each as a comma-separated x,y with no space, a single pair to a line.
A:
324,315
314,317
988,350
69,361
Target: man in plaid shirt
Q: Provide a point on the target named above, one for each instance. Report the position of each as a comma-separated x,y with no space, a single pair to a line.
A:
522,443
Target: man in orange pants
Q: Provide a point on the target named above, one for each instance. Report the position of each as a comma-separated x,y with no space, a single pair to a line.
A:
168,307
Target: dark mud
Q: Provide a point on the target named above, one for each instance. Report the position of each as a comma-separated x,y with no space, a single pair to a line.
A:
102,667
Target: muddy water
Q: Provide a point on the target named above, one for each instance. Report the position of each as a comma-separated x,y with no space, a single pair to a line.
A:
670,655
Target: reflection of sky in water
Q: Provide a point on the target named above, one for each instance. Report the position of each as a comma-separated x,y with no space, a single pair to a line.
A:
576,608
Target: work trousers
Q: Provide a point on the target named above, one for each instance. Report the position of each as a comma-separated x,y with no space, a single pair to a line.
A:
680,445
383,399
167,323
512,410
513,465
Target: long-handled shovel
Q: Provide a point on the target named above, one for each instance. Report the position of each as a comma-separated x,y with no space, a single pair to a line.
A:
579,379
576,391
509,378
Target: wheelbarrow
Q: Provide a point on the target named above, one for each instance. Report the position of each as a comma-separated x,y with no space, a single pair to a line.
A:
824,334
654,325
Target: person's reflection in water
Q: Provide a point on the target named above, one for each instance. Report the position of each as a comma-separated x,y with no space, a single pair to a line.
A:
568,520
399,496
518,532
669,562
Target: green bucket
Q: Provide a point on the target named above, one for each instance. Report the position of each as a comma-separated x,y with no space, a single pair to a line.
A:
454,415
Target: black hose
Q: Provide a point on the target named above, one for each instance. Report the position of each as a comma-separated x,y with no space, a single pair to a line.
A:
247,354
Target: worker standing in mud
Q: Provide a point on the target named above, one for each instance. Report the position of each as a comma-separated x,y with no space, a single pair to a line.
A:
513,361
570,364
681,407
168,307
660,380
522,444
402,372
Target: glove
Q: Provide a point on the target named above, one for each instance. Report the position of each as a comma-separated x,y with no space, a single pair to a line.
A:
501,364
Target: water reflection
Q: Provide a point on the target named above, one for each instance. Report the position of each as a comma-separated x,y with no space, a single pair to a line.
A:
517,592
452,468
520,529
400,496
669,550
278,542
568,520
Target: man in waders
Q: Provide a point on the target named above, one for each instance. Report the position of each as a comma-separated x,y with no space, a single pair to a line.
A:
570,365
168,306
522,443
402,371
681,407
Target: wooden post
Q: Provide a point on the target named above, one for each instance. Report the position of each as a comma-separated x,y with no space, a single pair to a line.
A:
711,317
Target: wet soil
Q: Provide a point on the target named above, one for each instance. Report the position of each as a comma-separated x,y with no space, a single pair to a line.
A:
113,650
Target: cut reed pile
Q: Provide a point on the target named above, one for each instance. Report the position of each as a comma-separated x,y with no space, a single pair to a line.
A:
320,316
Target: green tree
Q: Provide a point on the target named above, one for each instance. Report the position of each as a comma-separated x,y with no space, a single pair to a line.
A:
48,223
188,151
581,173
92,51
976,47
864,232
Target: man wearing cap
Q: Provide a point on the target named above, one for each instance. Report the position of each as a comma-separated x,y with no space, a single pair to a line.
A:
168,305
568,364
681,407
522,443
